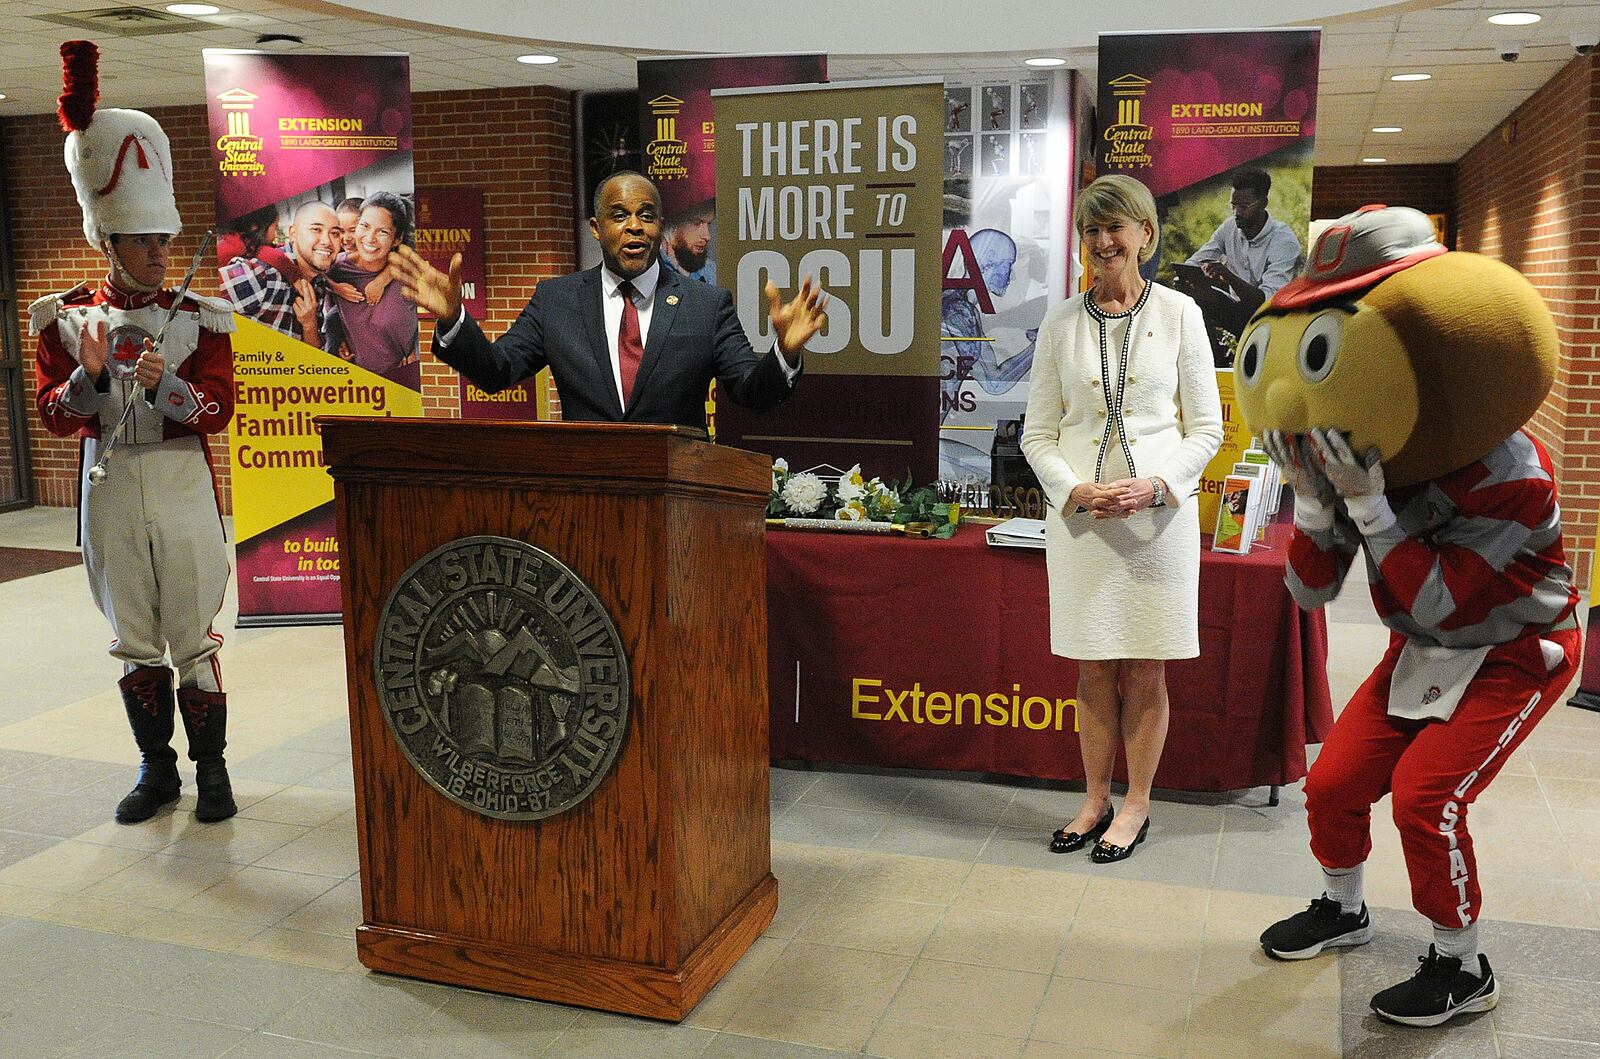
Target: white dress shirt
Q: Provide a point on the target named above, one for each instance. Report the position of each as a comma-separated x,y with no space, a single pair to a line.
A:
1267,262
644,299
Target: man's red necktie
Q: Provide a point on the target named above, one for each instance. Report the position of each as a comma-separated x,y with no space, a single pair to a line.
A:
630,345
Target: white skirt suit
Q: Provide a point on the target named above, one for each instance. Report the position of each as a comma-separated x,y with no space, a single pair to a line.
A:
1123,588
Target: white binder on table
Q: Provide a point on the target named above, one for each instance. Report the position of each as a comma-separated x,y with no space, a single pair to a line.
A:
1016,533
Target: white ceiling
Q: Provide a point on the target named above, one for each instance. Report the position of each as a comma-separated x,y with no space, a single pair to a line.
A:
851,27
1471,90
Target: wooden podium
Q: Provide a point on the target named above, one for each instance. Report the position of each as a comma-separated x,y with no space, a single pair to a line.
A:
639,898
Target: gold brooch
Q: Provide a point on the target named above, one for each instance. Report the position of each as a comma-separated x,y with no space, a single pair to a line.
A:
672,299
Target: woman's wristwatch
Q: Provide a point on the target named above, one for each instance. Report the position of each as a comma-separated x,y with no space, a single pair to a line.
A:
1160,490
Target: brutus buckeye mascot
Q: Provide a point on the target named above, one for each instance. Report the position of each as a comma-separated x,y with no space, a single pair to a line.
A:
1391,383
149,521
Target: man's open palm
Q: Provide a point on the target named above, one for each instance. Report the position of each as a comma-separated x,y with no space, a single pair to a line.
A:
800,318
425,286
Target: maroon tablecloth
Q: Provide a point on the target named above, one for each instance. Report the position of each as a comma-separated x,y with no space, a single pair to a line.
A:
936,655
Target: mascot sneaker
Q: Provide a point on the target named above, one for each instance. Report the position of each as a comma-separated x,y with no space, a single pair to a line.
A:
1438,992
1324,925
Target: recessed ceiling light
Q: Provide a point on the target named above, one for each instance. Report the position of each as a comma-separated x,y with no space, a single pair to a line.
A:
1515,18
538,60
1388,128
193,9
1374,159
1410,77
2,95
1044,60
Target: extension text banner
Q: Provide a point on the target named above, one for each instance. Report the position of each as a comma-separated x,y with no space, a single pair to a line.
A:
314,188
450,222
842,184
847,685
1191,115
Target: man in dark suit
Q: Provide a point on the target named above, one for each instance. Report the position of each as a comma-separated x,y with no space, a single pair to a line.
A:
628,341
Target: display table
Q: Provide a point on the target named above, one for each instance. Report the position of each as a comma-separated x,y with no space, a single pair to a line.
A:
936,655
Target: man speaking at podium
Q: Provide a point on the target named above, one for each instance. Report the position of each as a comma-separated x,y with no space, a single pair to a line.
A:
628,341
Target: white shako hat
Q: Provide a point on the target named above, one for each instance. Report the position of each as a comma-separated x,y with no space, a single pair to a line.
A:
120,160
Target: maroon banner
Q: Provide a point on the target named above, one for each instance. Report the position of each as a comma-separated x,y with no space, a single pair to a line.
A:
1221,127
450,222
519,403
977,689
680,141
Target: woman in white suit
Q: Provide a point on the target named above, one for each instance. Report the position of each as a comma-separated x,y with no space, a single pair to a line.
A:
1123,416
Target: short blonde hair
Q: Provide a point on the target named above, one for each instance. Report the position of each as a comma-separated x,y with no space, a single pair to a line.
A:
1118,198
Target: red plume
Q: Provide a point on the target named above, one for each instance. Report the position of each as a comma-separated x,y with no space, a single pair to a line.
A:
80,78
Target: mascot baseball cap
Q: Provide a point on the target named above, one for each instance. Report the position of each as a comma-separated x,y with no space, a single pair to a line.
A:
1357,251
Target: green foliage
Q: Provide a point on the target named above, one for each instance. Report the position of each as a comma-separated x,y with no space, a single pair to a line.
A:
922,504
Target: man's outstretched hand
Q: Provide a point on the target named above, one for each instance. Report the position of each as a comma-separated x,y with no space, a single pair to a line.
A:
425,286
796,321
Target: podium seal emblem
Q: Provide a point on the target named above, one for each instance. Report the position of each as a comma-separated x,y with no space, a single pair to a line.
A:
502,677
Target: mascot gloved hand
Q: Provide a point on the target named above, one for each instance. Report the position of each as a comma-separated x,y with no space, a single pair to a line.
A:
1391,384
1298,466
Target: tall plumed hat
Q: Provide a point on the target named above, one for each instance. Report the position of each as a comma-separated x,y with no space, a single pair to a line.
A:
120,160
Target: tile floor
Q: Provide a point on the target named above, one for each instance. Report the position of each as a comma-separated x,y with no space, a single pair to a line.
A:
920,915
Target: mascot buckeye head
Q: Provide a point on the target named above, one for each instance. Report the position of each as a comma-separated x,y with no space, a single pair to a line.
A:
1430,357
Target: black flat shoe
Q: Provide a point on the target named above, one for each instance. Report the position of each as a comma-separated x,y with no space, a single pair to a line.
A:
1064,841
1105,853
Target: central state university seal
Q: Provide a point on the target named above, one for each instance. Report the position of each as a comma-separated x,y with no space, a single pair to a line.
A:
502,677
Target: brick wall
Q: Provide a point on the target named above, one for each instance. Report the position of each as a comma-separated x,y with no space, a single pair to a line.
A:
1340,189
522,158
1526,194
514,143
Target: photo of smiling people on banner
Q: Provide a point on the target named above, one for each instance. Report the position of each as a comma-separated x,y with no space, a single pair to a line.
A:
327,282
314,189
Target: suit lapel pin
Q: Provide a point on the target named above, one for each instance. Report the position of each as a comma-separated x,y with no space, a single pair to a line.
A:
672,299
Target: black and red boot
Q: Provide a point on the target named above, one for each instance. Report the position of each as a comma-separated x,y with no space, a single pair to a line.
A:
205,721
147,696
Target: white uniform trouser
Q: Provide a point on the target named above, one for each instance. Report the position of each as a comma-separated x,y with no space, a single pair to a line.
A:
155,554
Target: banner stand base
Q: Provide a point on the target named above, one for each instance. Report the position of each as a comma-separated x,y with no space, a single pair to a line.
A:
1585,700
267,621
